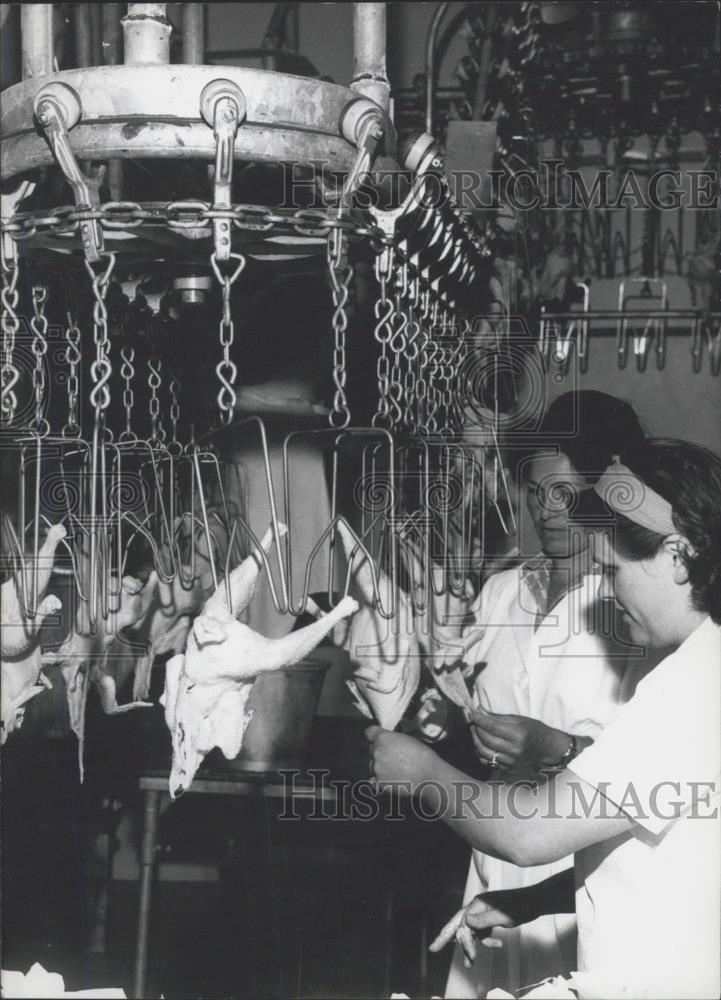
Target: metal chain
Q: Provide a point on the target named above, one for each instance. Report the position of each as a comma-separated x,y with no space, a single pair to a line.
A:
127,373
101,368
383,331
9,374
447,370
412,352
39,347
398,343
195,215
226,369
423,360
341,275
175,413
73,357
157,431
434,369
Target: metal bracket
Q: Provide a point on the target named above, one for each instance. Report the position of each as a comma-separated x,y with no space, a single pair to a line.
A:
57,110
223,107
361,123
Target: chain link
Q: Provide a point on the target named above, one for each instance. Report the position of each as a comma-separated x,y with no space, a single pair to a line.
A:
412,353
39,347
101,368
192,215
174,410
383,331
157,431
226,369
398,343
9,374
423,359
127,373
73,357
341,275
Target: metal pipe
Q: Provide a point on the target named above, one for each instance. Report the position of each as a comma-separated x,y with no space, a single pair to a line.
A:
111,56
111,34
431,39
36,34
83,35
369,53
96,33
193,34
146,30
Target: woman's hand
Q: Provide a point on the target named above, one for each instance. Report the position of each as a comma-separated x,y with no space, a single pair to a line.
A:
477,921
515,742
395,757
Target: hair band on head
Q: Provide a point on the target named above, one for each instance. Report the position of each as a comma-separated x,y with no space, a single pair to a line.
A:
627,494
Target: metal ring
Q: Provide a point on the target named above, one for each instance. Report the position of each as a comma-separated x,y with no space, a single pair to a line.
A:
494,760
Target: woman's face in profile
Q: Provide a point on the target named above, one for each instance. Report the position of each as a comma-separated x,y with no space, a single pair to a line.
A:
552,487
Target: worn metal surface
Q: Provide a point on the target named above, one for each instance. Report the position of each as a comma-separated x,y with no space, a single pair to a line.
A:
193,33
36,30
369,53
146,32
154,111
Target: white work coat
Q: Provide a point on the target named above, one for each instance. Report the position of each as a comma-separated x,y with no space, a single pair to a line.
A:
566,673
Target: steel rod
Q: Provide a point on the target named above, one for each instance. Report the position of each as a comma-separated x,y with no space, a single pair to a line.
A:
369,53
36,34
431,40
111,56
83,37
193,34
95,10
146,30
111,34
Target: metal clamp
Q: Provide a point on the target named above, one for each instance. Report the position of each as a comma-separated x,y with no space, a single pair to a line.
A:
223,107
57,110
361,123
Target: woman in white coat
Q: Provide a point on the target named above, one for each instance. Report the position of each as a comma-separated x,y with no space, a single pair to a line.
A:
551,669
640,808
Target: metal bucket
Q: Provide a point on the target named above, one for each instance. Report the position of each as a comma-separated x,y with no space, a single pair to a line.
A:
284,704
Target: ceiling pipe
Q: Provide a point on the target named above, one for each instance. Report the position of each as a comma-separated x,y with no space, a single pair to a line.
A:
369,53
36,33
146,31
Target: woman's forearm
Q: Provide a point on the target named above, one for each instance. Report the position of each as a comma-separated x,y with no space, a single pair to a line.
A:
473,809
521,822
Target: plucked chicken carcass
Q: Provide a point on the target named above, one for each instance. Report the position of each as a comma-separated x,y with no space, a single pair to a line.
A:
85,656
177,604
20,654
207,689
439,629
384,652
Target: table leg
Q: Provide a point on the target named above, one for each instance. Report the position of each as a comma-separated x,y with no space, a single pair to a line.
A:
147,865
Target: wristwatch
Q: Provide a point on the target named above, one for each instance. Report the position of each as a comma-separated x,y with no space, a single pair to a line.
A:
570,753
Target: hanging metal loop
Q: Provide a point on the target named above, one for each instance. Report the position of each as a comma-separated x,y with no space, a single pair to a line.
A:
341,275
226,369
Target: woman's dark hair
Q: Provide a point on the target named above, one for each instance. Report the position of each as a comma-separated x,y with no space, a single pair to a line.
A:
590,427
688,476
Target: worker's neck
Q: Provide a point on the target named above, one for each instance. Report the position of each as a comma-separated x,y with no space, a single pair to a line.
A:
568,570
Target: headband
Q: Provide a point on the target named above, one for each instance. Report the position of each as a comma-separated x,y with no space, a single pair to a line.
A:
626,494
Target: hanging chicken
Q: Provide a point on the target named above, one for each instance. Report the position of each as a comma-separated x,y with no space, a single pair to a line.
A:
207,688
85,657
384,652
440,627
22,676
171,615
